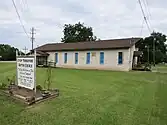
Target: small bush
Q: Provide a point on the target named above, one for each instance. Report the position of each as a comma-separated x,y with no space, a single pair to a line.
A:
39,87
11,80
3,85
47,83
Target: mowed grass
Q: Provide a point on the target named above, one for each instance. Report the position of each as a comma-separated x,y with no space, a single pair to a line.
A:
162,68
92,98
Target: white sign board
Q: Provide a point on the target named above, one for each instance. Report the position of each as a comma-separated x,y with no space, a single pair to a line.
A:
26,72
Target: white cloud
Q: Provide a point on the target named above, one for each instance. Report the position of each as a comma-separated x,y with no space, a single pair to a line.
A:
109,19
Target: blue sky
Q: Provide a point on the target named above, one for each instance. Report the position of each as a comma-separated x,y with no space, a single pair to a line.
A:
108,18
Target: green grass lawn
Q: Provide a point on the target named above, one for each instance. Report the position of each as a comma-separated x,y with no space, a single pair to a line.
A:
162,68
92,98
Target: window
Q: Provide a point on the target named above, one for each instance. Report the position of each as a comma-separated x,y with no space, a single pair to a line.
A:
120,58
101,57
65,57
76,58
88,58
56,58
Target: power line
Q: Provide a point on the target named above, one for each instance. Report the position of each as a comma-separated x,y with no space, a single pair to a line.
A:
148,8
20,18
142,28
148,29
144,16
145,2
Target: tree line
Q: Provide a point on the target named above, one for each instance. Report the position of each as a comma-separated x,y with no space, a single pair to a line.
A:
154,48
7,53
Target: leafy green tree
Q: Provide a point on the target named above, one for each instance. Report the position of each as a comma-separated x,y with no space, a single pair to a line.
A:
77,33
157,39
7,53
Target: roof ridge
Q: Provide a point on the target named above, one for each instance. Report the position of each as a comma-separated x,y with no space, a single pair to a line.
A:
96,41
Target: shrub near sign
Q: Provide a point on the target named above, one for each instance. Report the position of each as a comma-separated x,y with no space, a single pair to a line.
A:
26,72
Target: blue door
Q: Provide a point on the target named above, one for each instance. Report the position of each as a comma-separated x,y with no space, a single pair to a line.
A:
120,58
88,58
76,58
65,57
56,58
101,57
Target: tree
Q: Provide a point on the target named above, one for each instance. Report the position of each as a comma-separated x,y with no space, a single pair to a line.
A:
157,39
7,52
77,33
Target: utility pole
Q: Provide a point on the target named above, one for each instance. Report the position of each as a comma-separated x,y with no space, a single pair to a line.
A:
25,50
154,50
32,37
148,54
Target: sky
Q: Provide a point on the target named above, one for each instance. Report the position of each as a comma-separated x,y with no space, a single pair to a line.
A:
108,18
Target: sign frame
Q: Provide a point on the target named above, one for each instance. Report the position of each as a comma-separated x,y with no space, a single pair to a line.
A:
24,57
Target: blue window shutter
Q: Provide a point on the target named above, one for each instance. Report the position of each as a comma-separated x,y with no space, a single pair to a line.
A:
101,57
76,58
88,58
65,57
56,60
120,58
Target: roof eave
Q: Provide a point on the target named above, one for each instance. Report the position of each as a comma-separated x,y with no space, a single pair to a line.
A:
113,48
